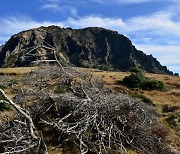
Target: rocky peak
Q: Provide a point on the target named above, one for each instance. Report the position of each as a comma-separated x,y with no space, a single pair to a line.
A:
89,47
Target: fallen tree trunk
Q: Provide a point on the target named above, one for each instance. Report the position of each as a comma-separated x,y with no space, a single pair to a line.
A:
23,112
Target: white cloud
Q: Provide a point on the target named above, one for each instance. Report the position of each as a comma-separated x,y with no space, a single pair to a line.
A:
53,1
94,21
154,48
53,5
73,11
12,25
56,6
131,1
160,23
98,1
121,1
167,55
175,69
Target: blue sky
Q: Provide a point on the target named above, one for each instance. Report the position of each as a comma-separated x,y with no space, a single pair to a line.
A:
152,25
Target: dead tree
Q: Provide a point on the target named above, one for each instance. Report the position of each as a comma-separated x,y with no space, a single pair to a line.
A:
89,116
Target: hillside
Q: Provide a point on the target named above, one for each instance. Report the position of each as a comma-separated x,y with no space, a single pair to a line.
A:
89,47
25,88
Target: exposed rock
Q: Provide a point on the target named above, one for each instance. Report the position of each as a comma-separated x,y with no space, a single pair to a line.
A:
89,47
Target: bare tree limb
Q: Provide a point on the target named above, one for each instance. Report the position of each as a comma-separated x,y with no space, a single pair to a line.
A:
19,110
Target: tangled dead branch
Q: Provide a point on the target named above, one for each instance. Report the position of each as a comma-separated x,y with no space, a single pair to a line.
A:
23,112
89,116
15,136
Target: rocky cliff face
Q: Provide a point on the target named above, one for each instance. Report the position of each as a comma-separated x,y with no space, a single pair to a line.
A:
89,47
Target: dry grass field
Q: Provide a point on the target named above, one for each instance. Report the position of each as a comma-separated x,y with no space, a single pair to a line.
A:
16,71
169,97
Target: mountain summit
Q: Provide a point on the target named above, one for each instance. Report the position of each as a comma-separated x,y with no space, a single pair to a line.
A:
89,47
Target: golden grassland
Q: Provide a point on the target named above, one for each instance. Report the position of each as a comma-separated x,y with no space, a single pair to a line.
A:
171,96
16,71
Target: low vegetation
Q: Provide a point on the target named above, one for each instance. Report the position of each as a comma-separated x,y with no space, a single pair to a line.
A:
144,99
136,69
4,105
169,108
138,80
174,120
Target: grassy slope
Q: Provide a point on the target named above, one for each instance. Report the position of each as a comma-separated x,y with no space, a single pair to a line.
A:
169,97
16,71
160,98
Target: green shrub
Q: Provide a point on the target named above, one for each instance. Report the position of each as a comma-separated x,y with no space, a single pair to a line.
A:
119,81
138,80
4,106
147,100
135,69
134,80
2,87
105,68
144,99
153,85
176,74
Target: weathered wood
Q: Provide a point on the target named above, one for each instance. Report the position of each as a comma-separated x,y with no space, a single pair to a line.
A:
23,112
